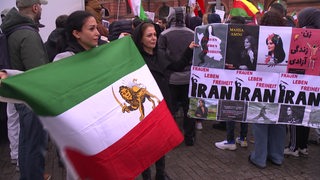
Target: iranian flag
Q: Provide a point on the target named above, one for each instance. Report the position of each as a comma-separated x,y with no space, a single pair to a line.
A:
261,8
103,109
137,9
193,3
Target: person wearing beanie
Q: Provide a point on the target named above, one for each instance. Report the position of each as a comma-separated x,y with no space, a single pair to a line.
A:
26,51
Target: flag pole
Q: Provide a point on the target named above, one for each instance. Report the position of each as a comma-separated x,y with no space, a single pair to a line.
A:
118,10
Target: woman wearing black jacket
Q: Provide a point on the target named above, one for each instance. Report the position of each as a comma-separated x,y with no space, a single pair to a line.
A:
145,37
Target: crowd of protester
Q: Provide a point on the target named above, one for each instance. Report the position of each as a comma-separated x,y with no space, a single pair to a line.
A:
166,45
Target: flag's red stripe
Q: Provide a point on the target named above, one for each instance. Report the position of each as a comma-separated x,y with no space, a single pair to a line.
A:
156,135
201,4
130,4
239,4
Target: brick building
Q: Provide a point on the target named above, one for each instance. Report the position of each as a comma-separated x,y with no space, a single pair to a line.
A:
119,9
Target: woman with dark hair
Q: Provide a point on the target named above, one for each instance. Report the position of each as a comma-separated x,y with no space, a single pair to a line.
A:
290,117
276,53
201,112
145,36
249,55
80,34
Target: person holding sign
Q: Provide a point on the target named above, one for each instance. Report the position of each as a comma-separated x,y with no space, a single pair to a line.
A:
269,138
307,18
145,36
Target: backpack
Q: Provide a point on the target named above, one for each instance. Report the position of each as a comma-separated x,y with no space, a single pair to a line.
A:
4,51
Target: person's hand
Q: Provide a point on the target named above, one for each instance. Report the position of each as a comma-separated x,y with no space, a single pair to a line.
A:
3,75
271,63
243,67
251,54
123,34
193,45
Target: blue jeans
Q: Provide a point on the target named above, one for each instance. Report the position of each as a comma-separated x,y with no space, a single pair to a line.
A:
32,143
269,143
230,130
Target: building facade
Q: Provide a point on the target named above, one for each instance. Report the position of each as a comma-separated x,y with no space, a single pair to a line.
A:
119,9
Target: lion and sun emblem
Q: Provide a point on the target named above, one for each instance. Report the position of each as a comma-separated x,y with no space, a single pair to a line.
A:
135,96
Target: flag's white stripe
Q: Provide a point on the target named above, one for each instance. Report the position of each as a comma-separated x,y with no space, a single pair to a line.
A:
192,3
136,7
98,122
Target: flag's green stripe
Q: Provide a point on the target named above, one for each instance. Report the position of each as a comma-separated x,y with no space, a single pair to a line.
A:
143,15
56,87
238,12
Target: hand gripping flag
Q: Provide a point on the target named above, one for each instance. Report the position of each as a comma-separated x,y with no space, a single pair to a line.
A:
102,108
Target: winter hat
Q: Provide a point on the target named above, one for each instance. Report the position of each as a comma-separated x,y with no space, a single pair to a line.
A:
309,17
28,3
177,16
214,18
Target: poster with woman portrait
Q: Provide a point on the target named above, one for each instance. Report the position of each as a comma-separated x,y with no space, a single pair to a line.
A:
242,47
212,41
202,108
304,52
290,114
273,51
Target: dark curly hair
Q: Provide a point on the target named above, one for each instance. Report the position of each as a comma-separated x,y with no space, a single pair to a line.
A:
272,18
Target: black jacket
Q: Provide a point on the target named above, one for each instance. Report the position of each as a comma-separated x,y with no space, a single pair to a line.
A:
159,67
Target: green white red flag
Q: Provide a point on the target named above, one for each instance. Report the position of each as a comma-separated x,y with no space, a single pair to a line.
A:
102,108
193,3
294,15
261,8
137,9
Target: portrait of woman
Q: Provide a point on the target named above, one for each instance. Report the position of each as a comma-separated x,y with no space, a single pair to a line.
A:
201,112
249,54
276,52
290,117
291,114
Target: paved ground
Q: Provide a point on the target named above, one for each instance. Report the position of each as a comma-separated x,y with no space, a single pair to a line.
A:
201,161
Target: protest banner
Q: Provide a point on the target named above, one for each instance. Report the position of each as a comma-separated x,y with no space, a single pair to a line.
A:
257,74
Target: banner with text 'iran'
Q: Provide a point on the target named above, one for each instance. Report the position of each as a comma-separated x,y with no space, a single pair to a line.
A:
102,108
256,74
